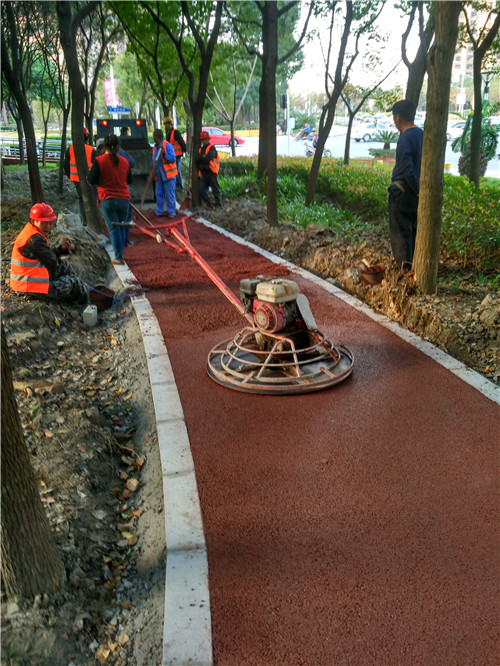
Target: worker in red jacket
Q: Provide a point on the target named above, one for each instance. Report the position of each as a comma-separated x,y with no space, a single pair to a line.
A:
111,173
173,136
72,172
36,269
208,162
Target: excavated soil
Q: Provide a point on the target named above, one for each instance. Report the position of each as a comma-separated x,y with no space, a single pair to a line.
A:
87,416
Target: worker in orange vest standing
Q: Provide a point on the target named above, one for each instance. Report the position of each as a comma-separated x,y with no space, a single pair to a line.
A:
173,136
208,162
165,172
71,171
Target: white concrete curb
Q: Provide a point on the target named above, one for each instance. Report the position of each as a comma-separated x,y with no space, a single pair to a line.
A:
187,624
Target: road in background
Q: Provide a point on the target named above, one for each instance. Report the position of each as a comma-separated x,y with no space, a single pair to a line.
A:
336,144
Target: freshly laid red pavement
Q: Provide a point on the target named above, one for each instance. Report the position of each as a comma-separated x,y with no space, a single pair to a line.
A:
356,525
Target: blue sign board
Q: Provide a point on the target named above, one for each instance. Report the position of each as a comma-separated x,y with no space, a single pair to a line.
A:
118,109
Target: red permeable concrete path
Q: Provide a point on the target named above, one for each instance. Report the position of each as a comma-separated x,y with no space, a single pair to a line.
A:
356,525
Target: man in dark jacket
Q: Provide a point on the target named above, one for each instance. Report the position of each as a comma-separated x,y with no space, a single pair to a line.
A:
208,167
404,189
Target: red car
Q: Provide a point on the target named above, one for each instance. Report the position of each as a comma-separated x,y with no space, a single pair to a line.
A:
220,138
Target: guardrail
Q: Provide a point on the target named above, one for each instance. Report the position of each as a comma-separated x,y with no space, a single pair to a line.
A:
10,147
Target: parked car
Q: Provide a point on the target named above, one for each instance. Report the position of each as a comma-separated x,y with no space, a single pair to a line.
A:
220,138
366,131
454,130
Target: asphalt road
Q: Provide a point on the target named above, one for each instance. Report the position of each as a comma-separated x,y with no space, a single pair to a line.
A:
336,144
357,525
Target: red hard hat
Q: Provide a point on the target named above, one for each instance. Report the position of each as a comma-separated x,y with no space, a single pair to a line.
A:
85,132
42,212
204,135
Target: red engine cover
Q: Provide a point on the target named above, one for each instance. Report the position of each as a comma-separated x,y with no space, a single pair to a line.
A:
269,316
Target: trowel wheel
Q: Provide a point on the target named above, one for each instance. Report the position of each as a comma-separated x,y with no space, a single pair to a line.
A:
241,364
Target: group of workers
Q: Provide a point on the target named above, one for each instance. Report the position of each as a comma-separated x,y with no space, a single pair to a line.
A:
37,269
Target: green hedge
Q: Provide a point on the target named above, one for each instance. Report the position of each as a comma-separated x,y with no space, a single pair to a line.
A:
353,198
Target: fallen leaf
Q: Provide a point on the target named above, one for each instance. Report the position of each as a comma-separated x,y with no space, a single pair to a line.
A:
138,464
127,535
132,484
125,527
127,605
123,638
137,513
133,540
102,653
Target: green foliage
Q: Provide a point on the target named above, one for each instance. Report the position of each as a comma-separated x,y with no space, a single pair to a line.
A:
470,230
382,152
353,200
241,187
386,137
489,134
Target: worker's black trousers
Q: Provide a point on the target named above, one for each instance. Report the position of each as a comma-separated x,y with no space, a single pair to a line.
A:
403,208
208,180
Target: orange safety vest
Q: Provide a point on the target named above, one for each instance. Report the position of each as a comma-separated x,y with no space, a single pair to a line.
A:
27,275
170,168
73,171
214,164
177,149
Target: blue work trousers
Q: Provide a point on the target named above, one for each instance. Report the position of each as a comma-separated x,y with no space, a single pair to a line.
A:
115,210
165,190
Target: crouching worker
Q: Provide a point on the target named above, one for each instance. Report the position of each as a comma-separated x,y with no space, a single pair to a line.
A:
36,269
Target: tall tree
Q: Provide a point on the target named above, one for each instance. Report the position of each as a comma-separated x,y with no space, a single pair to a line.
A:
69,24
364,16
417,67
439,63
354,97
482,35
224,89
271,13
194,36
97,32
155,53
17,62
47,38
31,563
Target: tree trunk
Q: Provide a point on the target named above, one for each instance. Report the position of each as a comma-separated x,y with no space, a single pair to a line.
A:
31,563
480,50
67,27
426,259
417,69
328,111
475,130
267,132
12,78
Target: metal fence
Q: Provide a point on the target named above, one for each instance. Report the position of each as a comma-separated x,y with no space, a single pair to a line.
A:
11,148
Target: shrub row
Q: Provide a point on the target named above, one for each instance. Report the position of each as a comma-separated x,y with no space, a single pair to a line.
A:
353,198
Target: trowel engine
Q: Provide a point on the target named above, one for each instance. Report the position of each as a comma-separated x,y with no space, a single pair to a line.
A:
277,307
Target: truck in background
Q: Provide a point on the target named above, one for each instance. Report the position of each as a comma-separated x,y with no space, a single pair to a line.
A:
135,144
